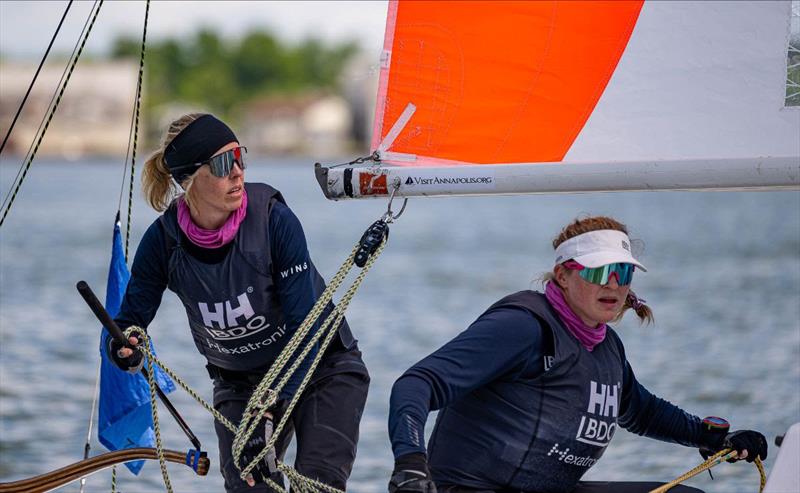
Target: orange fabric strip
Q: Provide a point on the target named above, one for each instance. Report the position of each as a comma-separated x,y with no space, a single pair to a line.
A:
501,81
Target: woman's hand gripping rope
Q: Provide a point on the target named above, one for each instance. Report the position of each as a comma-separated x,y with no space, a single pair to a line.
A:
150,360
727,454
257,442
125,356
253,443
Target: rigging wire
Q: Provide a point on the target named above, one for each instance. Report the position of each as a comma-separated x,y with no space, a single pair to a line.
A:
49,106
35,76
87,446
46,122
125,163
375,157
134,136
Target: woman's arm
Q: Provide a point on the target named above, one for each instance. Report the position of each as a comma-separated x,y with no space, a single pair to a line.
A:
143,293
505,342
643,413
294,280
148,280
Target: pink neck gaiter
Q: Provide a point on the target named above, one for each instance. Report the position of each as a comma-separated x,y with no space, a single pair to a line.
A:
211,238
589,337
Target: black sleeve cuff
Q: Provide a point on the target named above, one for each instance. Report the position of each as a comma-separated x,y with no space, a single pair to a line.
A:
415,460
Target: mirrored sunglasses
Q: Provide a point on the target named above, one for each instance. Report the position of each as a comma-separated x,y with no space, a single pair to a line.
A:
601,275
222,164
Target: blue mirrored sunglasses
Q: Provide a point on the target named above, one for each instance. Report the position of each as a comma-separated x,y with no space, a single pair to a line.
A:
601,275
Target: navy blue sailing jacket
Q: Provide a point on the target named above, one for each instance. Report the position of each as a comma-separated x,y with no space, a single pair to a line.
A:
523,405
245,300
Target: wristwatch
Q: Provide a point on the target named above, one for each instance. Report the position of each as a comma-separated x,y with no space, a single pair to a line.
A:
714,431
715,424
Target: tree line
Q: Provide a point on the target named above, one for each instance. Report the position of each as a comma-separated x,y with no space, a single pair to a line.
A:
221,74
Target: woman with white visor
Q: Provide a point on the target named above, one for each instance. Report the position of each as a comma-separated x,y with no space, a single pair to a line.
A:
530,395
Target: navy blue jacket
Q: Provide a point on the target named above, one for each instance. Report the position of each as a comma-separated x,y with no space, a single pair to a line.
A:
295,287
509,344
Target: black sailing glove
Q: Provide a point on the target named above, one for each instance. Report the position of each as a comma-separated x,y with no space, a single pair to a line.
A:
132,363
752,441
715,437
411,475
258,440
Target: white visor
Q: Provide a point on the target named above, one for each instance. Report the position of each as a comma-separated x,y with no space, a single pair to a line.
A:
598,248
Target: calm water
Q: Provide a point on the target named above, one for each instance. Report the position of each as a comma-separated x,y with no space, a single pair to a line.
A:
723,280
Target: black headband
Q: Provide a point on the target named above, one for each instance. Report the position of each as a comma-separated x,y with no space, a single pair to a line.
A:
196,144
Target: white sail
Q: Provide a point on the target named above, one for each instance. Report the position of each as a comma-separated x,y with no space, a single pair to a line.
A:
673,95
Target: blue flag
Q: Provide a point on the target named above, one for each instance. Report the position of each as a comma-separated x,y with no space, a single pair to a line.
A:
124,419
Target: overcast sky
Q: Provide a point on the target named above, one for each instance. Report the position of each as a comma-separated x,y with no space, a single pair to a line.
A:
27,26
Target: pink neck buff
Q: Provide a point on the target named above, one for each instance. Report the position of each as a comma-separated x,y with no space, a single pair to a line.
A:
589,337
211,238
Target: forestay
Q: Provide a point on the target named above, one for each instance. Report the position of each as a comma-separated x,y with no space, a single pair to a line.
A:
529,97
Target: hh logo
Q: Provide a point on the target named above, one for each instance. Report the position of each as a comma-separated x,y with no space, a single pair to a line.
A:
603,403
233,321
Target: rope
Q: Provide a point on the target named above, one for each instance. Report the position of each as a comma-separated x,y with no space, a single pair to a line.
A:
35,76
156,427
50,114
257,403
718,458
136,131
264,396
23,170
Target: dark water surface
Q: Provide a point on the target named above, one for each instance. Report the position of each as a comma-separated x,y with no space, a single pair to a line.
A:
723,281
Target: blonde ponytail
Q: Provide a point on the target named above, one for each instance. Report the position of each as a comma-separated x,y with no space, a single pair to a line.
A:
158,187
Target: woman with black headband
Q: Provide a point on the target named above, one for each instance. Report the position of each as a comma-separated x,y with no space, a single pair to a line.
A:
530,395
236,256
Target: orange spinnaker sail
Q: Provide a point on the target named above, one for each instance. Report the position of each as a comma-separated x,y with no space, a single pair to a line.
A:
497,81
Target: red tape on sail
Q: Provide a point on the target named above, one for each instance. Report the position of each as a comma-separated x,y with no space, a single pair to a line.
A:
498,81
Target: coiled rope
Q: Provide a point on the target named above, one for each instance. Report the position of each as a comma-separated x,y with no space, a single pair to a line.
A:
718,458
265,395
